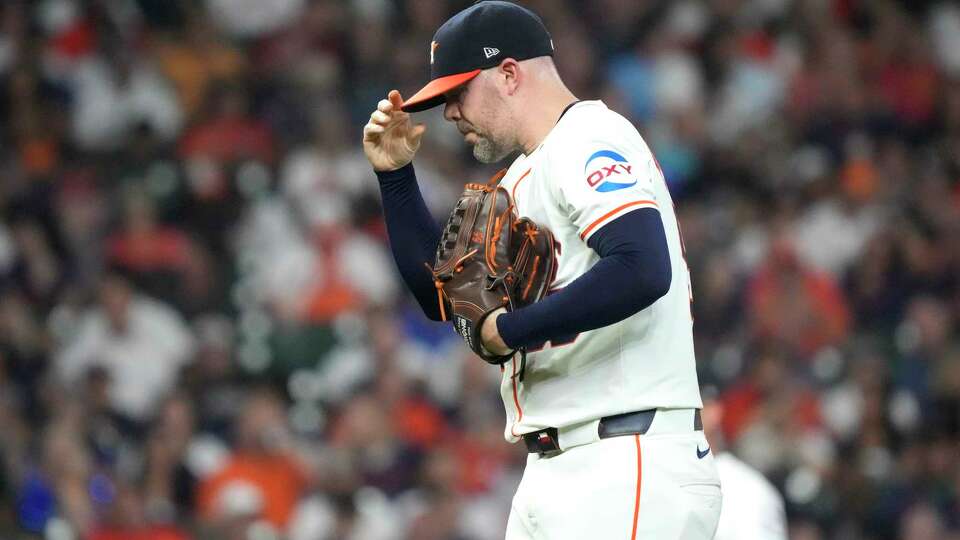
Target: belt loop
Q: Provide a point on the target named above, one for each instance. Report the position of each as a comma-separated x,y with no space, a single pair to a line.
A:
579,434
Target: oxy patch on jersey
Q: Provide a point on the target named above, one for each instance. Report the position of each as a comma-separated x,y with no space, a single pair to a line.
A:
607,170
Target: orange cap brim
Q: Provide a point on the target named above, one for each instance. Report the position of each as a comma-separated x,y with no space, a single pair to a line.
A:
431,95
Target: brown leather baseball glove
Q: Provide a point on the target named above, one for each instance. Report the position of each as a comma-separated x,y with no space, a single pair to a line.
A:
488,258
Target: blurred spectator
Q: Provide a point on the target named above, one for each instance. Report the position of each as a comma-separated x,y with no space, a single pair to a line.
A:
194,59
212,382
140,342
36,270
24,350
261,477
113,93
66,469
149,169
922,523
832,234
161,259
793,304
365,438
126,521
231,134
36,130
768,399
169,482
926,346
250,18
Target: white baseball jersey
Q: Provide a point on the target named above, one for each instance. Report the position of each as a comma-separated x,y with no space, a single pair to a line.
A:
592,168
752,507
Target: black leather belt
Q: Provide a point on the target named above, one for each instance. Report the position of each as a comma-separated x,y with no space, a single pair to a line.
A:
545,442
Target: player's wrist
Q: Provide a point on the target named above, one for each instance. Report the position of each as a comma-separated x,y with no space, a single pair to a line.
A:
388,174
503,330
490,335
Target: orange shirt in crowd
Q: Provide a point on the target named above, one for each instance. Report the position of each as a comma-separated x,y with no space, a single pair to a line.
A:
160,249
278,477
800,307
143,533
193,69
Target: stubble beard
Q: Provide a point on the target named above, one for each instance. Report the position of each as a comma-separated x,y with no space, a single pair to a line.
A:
488,148
487,151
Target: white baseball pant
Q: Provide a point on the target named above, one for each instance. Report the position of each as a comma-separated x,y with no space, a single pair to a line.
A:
662,485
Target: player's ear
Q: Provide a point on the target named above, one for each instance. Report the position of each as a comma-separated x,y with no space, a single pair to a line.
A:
509,75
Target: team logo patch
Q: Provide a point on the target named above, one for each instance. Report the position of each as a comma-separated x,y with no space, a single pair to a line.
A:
607,170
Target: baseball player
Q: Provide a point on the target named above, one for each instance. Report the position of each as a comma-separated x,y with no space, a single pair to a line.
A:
753,509
607,401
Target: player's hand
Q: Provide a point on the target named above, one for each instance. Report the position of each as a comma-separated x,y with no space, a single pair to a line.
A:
390,139
490,336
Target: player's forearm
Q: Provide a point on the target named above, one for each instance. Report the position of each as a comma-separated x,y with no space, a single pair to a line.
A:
634,272
413,234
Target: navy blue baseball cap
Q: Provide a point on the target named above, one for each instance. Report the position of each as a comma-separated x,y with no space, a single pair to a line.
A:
475,39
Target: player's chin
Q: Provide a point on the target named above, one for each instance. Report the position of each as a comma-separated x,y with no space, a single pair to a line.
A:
485,151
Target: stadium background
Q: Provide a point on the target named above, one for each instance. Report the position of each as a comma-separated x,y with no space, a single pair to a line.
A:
202,334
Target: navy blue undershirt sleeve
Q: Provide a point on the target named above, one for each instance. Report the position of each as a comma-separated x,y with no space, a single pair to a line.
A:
632,273
413,234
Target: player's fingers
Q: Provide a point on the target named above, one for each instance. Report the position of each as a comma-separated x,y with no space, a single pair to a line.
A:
417,133
379,117
384,106
372,132
395,99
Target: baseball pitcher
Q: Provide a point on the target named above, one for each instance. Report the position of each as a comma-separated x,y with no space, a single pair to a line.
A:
598,375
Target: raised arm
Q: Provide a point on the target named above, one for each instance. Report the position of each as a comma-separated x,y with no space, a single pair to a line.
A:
390,140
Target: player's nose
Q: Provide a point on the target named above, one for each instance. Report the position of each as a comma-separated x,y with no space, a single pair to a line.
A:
451,110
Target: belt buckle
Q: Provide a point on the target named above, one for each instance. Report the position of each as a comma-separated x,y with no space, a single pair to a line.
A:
543,442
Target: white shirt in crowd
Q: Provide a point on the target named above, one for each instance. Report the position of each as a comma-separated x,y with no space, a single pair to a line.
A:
143,362
105,110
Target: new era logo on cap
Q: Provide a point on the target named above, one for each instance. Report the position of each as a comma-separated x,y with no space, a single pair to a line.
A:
490,52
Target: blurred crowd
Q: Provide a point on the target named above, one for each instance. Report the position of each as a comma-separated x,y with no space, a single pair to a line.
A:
202,334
